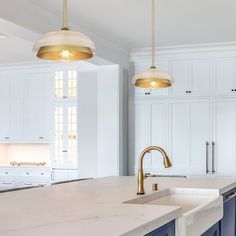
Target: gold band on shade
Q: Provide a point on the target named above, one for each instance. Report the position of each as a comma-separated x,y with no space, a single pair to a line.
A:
152,78
72,53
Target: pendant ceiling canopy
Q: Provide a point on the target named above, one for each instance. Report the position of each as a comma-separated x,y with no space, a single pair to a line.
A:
153,77
64,45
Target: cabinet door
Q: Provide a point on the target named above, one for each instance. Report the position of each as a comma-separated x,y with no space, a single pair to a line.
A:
224,137
140,132
37,108
228,226
166,230
214,231
187,138
200,77
17,90
65,84
4,108
224,76
158,135
36,120
16,120
64,146
180,70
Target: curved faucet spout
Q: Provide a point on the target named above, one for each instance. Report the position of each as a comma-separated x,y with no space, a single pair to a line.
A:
141,177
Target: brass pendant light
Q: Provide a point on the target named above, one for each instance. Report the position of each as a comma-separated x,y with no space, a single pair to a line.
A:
64,45
153,77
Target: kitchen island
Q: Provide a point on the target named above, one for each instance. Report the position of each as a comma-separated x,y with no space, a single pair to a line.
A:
95,207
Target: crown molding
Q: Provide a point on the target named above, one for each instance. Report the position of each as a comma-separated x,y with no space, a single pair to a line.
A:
183,49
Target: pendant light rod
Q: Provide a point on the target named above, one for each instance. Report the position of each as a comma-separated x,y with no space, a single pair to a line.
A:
65,22
153,34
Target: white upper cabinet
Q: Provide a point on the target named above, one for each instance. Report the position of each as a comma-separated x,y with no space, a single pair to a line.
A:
224,76
65,84
224,137
150,92
187,138
200,77
180,70
191,77
37,107
25,106
5,108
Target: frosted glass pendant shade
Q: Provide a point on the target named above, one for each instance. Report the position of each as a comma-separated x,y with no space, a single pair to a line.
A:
152,78
64,45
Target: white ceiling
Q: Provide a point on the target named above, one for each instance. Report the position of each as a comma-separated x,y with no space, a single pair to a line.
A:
127,22
15,49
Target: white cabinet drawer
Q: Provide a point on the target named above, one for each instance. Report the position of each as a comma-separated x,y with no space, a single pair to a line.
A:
7,183
5,173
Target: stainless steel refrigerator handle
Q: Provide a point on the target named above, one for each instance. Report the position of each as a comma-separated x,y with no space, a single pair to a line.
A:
207,157
213,158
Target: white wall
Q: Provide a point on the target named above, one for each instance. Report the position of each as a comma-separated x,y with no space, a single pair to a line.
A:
108,120
87,123
24,153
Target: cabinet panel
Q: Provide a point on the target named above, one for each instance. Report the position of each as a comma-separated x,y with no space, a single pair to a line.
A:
199,135
140,139
225,136
187,138
213,231
181,74
228,221
16,120
180,127
37,120
5,121
200,82
166,230
158,133
224,76
38,86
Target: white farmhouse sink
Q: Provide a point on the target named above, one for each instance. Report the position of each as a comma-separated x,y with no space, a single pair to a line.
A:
201,208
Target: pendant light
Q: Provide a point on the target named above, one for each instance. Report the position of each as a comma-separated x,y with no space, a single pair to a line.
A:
153,77
64,45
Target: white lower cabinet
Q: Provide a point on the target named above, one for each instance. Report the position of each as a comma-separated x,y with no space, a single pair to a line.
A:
224,137
189,132
60,175
15,177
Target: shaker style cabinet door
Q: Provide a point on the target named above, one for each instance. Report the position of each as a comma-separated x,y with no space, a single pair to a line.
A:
140,132
158,135
224,137
166,230
180,70
224,76
200,77
214,231
190,121
228,222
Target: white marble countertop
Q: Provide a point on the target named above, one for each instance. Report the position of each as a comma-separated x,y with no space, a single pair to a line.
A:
93,207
